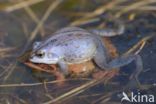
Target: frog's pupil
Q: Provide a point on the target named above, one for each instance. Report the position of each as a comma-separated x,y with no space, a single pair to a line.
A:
40,54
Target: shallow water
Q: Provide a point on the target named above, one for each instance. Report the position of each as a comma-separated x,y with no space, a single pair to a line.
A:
15,30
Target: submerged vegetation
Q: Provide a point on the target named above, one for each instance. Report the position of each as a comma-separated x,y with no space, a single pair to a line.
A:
24,21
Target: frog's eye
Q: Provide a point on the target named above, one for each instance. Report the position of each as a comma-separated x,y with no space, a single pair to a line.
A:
40,54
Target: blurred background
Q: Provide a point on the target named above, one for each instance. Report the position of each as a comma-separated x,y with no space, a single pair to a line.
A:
24,21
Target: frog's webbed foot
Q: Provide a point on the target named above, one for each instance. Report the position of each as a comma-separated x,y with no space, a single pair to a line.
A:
110,32
122,61
63,67
139,68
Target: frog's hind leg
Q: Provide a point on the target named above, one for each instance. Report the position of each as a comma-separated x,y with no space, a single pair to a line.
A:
119,62
109,32
124,60
139,69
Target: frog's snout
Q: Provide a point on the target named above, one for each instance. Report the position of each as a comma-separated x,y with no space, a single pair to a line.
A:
31,57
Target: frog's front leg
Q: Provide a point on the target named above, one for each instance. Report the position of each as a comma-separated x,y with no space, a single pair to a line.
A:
63,67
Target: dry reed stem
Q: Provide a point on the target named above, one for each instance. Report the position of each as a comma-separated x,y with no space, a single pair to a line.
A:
78,90
91,20
53,6
7,101
10,70
34,18
106,98
91,95
25,29
36,84
7,49
73,92
96,12
21,5
113,5
6,69
134,6
3,56
142,8
140,44
5,52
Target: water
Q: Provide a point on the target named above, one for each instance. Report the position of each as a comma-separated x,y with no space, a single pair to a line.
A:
15,30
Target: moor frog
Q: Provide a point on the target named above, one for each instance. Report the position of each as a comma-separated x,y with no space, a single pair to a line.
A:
73,45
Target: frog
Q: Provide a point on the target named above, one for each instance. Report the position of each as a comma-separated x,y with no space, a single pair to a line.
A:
74,45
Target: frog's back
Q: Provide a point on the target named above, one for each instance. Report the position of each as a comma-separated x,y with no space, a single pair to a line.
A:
64,35
79,49
77,45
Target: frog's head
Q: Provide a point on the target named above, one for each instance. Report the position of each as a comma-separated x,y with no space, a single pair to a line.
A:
43,55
